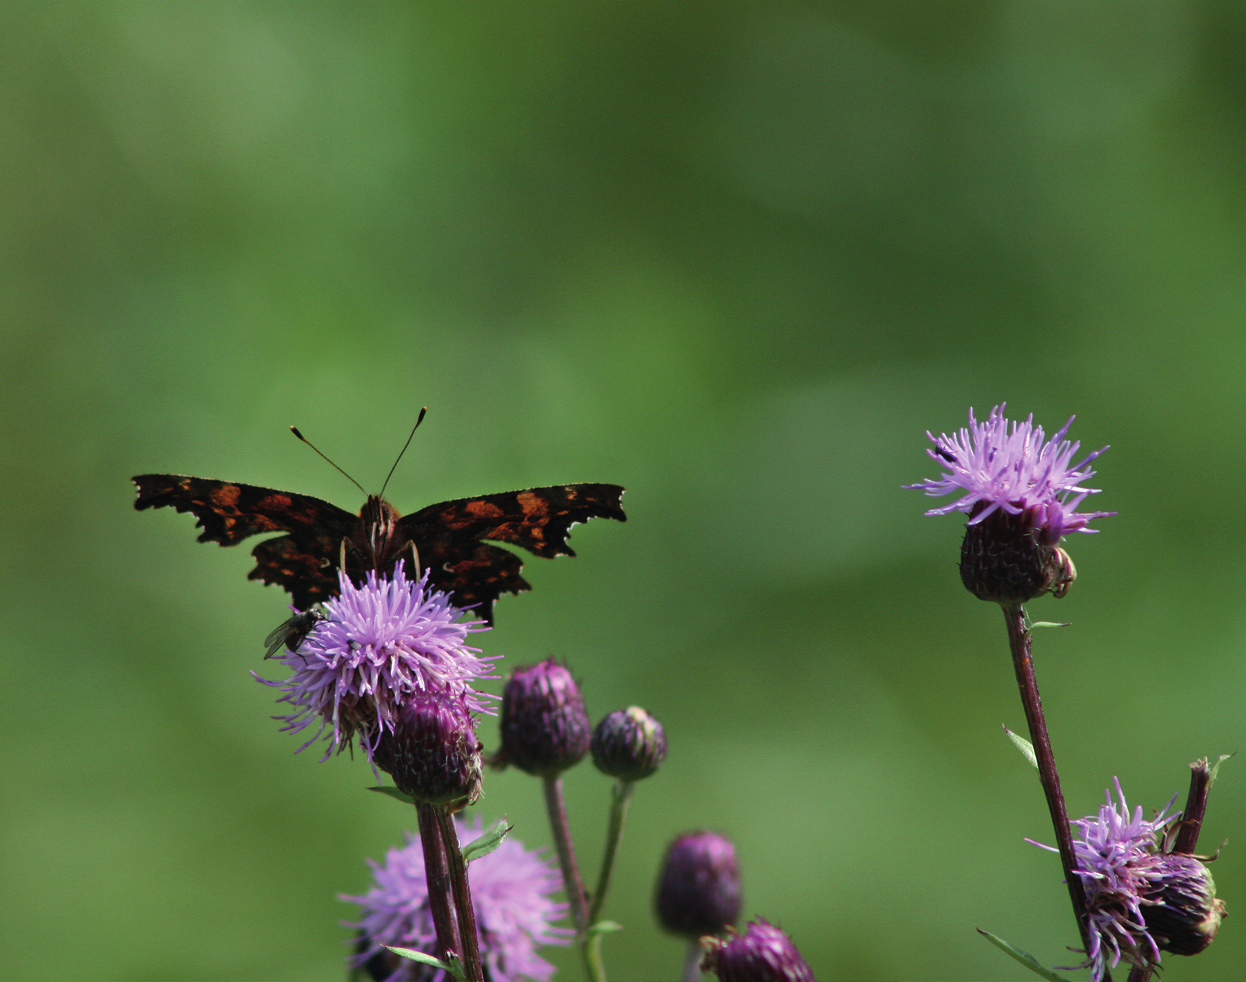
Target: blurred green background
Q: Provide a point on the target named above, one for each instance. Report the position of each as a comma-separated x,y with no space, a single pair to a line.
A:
736,257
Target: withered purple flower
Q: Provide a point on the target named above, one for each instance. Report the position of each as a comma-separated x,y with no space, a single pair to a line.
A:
377,645
1021,492
1141,900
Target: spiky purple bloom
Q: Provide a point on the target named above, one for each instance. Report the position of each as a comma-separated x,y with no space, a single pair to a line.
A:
1021,492
511,890
378,644
1140,900
763,953
1003,464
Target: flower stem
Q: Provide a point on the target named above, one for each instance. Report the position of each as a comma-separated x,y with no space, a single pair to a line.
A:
692,963
1023,663
572,883
439,890
1195,807
462,898
622,796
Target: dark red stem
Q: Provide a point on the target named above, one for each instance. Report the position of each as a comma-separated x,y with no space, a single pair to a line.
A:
1023,663
463,905
566,853
439,889
1195,807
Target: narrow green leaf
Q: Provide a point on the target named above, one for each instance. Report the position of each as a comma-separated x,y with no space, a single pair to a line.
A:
604,927
419,956
1024,957
1216,768
1024,745
487,842
395,793
1051,624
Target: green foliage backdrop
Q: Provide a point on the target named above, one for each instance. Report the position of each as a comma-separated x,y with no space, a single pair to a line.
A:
737,257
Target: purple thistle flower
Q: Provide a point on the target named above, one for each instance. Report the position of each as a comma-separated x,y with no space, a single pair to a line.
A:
628,745
763,953
699,885
511,890
377,645
433,754
1021,492
1140,900
1008,466
544,728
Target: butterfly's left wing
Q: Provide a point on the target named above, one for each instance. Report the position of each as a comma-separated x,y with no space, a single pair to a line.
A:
452,538
303,562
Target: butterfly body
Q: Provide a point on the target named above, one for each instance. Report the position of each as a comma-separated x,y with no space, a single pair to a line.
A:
452,539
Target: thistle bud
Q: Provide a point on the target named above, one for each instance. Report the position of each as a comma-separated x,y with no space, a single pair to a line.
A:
545,728
763,953
433,754
1140,901
629,744
1183,914
1007,558
699,887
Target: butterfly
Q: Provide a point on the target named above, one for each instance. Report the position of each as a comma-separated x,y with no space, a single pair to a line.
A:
453,540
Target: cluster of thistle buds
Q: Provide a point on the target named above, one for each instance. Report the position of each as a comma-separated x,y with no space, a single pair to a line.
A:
387,662
544,731
1136,887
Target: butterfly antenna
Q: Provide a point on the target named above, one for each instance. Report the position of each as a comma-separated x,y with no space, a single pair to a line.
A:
295,431
418,421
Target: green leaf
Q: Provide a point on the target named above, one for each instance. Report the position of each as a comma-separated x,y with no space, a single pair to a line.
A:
1050,624
1212,779
395,793
419,956
487,842
1024,957
1024,745
604,927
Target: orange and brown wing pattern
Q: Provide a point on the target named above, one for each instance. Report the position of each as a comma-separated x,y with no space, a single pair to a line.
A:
450,537
302,562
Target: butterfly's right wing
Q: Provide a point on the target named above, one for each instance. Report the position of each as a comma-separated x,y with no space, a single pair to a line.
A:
303,562
452,538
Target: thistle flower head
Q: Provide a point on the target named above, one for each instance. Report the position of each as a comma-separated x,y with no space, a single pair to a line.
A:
433,754
628,745
763,953
699,885
511,890
1021,492
1140,900
545,728
377,645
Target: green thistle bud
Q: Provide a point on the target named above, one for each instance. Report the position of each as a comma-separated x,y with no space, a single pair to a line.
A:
629,744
